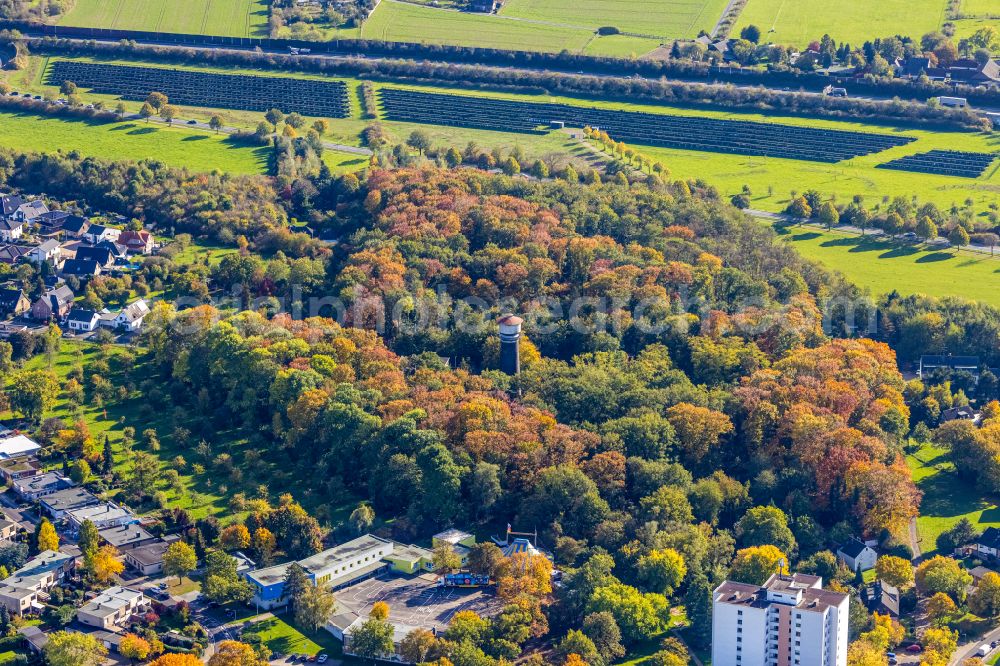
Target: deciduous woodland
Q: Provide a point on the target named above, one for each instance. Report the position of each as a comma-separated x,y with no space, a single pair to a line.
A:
703,415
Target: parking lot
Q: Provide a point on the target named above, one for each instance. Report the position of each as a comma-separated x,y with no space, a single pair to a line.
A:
416,601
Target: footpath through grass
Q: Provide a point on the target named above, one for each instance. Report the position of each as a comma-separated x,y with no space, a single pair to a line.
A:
884,266
175,146
947,498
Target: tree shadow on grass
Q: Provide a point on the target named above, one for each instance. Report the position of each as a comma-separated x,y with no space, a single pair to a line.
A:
894,253
144,130
123,126
933,257
198,137
806,235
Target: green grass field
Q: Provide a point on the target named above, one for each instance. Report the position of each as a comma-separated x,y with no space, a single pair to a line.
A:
405,22
281,637
947,498
882,266
799,22
657,18
176,146
231,18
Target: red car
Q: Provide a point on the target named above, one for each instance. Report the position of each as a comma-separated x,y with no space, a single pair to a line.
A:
914,648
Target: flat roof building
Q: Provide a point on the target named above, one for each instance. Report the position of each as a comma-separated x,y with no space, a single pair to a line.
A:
789,621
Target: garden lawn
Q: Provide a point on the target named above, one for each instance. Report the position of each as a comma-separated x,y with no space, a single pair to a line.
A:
175,146
947,498
405,22
280,636
658,18
883,266
8,657
798,22
230,18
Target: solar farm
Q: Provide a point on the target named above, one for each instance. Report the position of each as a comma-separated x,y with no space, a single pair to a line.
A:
944,163
416,601
685,132
208,89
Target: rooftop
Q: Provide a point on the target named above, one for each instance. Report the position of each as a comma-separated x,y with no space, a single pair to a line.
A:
104,511
18,445
42,483
69,499
452,536
334,556
150,553
125,534
111,601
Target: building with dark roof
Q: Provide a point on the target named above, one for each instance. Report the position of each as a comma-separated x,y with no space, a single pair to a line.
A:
881,598
857,555
81,268
13,302
82,320
953,363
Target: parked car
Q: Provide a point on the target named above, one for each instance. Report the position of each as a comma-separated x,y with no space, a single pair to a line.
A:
914,648
322,659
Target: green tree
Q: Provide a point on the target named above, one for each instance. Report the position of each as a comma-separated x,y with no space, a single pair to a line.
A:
445,558
296,584
765,525
958,236
419,141
926,229
372,639
895,571
65,648
274,116
828,215
662,570
89,539
79,471
640,616
222,584
315,607
985,601
179,560
942,574
698,605
756,564
32,392
603,630
215,122
362,518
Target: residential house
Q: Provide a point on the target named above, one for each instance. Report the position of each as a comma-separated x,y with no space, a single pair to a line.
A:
112,607
929,363
20,592
857,555
17,446
75,226
103,516
51,223
97,233
124,536
131,317
81,320
881,598
978,573
33,488
61,502
960,414
988,543
13,302
147,558
8,528
53,304
115,249
35,637
47,251
81,268
9,203
29,211
12,254
137,242
13,469
10,229
102,255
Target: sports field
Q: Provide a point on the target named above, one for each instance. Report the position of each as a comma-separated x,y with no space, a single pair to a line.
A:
176,146
656,18
884,265
406,22
230,18
798,22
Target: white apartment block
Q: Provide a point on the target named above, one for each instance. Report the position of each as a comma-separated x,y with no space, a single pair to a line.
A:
790,621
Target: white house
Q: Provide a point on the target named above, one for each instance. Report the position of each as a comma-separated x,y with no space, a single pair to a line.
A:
131,317
98,232
48,251
857,555
790,620
112,607
102,515
10,229
988,544
82,320
19,591
29,210
18,446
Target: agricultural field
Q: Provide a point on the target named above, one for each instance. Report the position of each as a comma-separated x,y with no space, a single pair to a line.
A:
406,22
947,498
230,18
799,22
175,146
656,18
883,266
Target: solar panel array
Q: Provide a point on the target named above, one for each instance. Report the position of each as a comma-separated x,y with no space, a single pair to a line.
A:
227,91
673,131
944,163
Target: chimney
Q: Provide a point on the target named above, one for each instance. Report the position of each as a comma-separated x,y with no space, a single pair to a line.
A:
510,343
